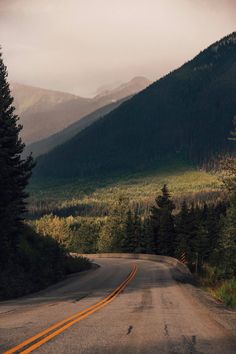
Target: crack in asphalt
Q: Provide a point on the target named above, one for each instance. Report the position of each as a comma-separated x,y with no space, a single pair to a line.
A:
129,330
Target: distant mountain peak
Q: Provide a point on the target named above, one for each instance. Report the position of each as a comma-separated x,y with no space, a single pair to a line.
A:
141,79
128,88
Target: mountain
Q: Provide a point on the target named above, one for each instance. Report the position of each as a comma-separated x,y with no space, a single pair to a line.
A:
37,109
186,115
124,90
44,112
29,99
45,145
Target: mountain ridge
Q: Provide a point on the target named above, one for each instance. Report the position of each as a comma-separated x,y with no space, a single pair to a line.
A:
185,115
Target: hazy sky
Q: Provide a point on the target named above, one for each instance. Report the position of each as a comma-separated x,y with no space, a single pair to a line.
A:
79,45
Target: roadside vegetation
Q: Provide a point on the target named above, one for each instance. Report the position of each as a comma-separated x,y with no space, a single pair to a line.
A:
28,261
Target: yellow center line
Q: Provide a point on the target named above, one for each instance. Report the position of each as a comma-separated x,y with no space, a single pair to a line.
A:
68,322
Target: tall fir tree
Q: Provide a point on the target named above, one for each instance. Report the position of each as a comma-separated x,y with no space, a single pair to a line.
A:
14,172
162,221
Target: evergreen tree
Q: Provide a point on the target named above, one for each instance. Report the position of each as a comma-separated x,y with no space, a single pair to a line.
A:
155,226
132,241
163,223
147,239
212,226
225,252
137,232
127,244
14,172
183,230
195,234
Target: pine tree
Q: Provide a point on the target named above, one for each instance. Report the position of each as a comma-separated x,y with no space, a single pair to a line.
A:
163,223
127,244
212,225
137,232
155,225
225,252
147,239
14,172
183,230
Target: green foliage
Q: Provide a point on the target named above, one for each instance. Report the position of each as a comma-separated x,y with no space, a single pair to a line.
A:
94,197
55,227
184,230
113,232
134,238
76,264
212,279
128,242
227,292
76,234
162,222
38,262
226,247
84,235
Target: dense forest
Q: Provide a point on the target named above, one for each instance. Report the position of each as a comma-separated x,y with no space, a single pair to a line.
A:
185,116
199,235
28,261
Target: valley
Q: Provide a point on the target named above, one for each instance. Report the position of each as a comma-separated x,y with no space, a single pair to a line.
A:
98,194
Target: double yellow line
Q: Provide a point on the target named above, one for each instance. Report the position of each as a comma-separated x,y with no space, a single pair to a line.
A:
42,337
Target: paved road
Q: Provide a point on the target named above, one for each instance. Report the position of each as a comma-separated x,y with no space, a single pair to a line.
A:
154,314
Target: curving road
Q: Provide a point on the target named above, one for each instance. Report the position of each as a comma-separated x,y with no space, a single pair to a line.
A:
153,314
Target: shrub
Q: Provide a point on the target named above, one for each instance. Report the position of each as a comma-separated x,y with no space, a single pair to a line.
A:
38,262
227,292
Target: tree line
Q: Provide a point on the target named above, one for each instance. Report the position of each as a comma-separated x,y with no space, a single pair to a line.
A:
194,234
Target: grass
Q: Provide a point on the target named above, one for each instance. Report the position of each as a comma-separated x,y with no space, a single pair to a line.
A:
226,292
212,280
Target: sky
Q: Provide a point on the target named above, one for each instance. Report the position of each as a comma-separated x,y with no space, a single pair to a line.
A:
79,45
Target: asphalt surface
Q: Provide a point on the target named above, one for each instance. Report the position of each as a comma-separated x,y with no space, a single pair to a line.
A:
154,314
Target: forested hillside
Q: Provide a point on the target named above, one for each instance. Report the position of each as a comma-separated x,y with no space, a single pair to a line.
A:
45,145
186,115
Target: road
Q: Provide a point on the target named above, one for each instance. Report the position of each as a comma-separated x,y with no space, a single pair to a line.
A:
152,314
